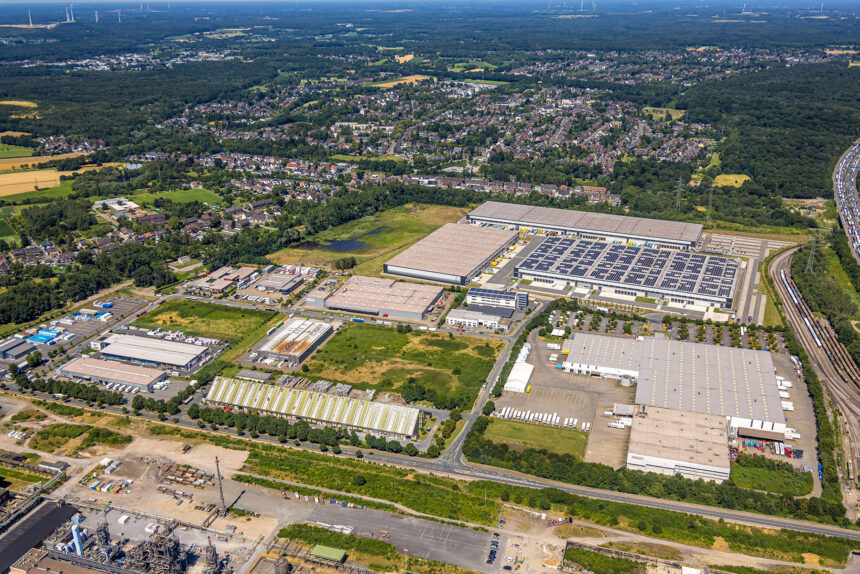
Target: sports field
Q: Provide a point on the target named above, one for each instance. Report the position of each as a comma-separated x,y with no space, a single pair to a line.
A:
179,196
229,324
382,358
524,435
372,239
11,151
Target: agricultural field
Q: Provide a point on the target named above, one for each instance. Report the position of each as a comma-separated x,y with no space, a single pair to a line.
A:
62,189
11,163
229,324
12,151
372,240
476,65
524,435
38,183
19,103
731,179
404,59
372,356
413,79
179,196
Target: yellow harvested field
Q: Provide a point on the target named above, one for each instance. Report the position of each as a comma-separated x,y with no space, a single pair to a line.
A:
413,79
731,179
840,52
19,103
404,59
13,163
14,134
15,182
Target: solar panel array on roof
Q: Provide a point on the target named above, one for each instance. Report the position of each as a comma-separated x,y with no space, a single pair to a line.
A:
642,268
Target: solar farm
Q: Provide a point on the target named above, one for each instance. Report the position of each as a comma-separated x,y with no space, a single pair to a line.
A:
678,275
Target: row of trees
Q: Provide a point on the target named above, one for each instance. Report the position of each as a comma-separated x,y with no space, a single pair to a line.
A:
81,391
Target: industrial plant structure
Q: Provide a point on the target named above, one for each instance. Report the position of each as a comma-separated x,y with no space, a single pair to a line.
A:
295,340
112,372
378,296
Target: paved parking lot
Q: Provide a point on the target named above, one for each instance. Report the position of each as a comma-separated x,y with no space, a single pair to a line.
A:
425,539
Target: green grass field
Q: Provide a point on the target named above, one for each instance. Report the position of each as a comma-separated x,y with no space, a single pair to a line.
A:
778,482
526,435
8,234
179,196
382,235
839,275
465,66
62,190
380,357
9,150
229,324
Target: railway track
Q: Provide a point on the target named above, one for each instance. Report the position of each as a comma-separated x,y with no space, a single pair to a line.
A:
838,373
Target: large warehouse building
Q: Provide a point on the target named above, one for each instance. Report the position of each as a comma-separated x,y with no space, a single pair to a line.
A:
386,419
378,296
154,352
739,384
453,254
668,441
112,372
678,276
295,340
599,226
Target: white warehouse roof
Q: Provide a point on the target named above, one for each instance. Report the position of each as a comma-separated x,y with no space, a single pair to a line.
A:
152,350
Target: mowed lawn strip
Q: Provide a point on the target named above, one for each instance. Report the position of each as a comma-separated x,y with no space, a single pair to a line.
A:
198,319
525,435
372,356
381,236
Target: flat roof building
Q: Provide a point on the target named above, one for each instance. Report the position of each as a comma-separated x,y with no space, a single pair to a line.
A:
452,254
279,283
331,410
678,276
600,226
497,298
15,349
112,372
383,297
154,352
710,379
295,340
472,319
668,441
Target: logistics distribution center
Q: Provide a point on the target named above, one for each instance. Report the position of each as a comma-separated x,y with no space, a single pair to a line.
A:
599,226
387,419
112,372
453,254
678,276
152,351
738,386
295,340
378,296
